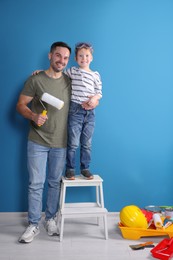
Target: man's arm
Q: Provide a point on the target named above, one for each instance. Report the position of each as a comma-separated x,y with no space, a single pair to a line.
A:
25,111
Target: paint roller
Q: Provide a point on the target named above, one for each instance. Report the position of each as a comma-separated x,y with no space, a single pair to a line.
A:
51,100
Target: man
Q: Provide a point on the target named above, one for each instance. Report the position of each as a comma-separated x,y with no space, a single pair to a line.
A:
47,139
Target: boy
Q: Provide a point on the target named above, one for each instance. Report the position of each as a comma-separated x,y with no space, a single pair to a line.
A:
86,88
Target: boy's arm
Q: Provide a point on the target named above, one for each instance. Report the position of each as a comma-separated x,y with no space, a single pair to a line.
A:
93,101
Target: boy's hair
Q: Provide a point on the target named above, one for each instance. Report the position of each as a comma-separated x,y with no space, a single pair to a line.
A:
59,44
85,45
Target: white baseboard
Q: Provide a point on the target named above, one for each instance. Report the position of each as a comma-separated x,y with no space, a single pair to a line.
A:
24,214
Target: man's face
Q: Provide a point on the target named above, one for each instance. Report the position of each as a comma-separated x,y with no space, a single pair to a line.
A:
59,58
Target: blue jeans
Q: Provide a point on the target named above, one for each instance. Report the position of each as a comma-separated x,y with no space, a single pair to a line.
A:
40,159
81,124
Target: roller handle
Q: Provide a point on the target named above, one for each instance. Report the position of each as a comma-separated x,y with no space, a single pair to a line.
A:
44,113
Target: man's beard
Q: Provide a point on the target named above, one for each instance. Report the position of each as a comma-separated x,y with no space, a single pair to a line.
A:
56,69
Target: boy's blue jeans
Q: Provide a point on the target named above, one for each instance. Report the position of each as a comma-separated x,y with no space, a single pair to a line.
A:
81,124
41,158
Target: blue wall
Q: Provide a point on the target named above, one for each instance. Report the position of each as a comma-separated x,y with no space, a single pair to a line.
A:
133,140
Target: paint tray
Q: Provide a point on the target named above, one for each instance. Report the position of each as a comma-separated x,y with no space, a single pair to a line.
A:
137,233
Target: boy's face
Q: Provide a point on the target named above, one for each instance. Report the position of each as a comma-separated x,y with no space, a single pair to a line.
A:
84,58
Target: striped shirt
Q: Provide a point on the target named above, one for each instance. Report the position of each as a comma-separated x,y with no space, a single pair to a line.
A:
84,84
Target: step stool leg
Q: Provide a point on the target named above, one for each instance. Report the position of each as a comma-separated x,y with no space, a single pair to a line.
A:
61,229
101,196
98,202
97,196
62,195
105,226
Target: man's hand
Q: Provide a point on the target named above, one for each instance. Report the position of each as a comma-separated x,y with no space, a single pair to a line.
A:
25,111
39,119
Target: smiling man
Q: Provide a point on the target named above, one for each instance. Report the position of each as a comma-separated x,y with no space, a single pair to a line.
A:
47,139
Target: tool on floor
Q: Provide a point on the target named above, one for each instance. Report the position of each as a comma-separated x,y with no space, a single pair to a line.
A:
148,244
163,250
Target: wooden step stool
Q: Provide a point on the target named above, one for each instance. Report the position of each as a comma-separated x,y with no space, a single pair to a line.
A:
86,209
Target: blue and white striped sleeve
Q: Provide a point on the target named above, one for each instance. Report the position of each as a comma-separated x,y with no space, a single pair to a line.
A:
98,84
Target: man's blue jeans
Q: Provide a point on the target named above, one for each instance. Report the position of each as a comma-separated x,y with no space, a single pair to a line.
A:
42,159
81,124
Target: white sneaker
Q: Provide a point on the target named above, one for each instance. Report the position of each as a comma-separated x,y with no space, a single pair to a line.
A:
29,234
51,227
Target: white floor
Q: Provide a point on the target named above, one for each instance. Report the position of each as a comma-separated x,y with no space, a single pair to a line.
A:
83,240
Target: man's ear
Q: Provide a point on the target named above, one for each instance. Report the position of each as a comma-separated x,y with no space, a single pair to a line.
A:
49,55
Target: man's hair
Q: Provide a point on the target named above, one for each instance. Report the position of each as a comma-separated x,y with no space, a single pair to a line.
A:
59,44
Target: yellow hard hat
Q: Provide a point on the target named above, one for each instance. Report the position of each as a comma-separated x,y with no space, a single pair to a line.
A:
132,216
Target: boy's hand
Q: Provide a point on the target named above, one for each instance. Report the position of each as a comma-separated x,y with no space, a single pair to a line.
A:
91,103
